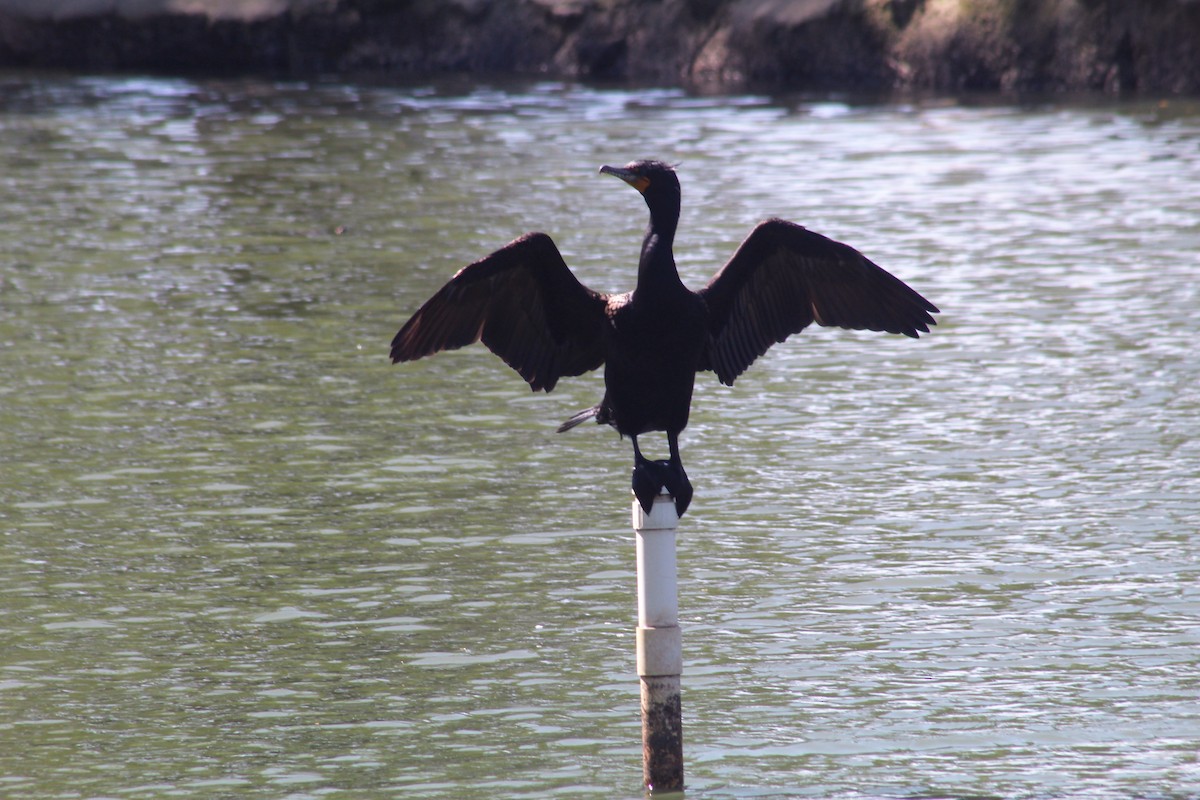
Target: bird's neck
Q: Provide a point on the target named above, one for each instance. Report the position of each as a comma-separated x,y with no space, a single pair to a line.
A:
656,269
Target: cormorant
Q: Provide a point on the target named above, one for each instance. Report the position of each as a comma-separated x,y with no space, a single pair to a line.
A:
528,308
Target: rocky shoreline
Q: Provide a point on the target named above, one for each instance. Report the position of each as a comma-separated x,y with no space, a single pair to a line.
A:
1148,47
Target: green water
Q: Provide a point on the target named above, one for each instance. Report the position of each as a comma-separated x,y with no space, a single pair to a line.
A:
241,555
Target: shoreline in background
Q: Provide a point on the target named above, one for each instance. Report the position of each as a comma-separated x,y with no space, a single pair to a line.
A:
1007,46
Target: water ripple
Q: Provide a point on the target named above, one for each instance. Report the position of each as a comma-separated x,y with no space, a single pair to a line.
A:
244,555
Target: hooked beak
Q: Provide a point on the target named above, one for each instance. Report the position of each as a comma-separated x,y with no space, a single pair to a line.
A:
639,182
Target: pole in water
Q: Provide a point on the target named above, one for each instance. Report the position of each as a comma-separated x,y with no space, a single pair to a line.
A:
659,645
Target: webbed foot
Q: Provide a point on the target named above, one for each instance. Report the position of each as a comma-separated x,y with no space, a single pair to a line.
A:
647,483
651,477
676,482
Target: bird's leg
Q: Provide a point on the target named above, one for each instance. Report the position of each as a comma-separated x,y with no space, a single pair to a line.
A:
638,458
675,479
647,478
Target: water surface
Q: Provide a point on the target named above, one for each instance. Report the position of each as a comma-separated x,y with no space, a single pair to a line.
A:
243,556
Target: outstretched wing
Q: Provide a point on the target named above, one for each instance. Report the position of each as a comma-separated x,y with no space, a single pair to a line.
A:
524,304
785,277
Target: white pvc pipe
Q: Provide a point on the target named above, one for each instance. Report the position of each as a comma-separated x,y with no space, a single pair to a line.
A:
658,603
659,645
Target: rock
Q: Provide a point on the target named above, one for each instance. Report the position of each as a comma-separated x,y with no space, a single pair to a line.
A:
814,44
1053,46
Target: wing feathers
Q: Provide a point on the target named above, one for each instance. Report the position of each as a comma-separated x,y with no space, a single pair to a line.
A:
782,279
528,308
524,304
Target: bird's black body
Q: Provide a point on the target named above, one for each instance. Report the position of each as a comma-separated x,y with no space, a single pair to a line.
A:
525,304
650,388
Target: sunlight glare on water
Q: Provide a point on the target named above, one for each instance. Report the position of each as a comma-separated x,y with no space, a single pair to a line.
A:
245,556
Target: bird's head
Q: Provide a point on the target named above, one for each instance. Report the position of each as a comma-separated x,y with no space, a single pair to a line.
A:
656,180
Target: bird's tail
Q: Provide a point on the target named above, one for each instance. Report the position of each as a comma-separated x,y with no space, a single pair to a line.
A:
582,416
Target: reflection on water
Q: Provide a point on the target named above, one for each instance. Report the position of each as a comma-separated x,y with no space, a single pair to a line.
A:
244,556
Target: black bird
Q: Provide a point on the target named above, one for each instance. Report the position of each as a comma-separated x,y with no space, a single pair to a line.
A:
528,308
